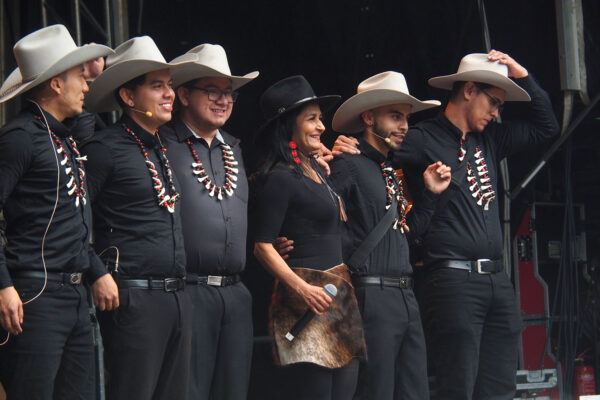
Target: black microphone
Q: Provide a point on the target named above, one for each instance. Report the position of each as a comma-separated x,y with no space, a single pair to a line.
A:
331,290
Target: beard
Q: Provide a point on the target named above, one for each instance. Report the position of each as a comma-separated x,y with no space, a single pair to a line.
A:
385,134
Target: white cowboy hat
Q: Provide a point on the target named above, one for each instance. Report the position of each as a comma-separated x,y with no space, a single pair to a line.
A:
210,61
44,54
131,59
477,68
379,90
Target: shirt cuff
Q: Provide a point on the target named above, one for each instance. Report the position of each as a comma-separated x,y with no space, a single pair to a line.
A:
96,270
430,199
5,279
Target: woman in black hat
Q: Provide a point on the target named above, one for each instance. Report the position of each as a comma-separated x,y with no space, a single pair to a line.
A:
295,200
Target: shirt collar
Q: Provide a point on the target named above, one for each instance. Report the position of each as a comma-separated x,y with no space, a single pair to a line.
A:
448,126
218,136
58,128
147,138
184,132
370,152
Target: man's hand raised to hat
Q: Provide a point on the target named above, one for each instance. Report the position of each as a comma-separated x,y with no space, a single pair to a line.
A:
437,177
93,68
11,310
515,70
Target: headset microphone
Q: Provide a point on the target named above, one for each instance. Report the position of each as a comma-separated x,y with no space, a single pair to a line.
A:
146,113
385,139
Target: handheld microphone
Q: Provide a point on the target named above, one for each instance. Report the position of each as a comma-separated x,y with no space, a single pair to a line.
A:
146,113
331,290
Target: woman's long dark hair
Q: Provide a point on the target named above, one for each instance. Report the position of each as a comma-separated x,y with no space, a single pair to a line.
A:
275,143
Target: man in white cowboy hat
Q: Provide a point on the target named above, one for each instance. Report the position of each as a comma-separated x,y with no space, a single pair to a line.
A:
396,366
209,166
469,308
137,224
43,303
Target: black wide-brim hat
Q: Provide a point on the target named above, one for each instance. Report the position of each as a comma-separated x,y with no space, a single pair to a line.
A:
288,94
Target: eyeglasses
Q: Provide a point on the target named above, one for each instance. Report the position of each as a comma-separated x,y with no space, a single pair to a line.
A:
216,94
495,103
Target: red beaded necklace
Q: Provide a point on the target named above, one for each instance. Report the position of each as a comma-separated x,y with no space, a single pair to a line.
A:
75,184
231,171
481,189
395,189
164,200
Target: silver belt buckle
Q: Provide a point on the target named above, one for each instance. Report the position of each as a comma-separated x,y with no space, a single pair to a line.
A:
214,280
479,271
75,278
170,284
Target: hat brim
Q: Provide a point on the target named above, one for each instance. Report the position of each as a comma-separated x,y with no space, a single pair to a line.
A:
101,96
325,102
347,117
192,71
513,91
14,85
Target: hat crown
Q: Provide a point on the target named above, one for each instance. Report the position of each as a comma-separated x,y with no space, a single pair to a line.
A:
41,49
389,80
284,94
137,48
480,62
212,56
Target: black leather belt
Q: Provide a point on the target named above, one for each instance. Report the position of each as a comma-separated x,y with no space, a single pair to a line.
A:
212,280
166,284
403,282
71,278
481,266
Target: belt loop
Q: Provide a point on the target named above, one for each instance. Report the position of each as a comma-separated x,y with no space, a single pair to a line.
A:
381,282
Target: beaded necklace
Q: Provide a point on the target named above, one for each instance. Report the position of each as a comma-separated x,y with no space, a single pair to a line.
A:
164,200
231,172
395,190
480,184
75,184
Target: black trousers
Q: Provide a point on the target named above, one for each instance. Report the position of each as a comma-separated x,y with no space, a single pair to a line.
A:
306,381
473,324
53,356
147,343
396,366
221,342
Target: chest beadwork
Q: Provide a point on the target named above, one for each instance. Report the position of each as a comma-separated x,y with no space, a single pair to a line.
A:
478,179
231,171
395,190
166,200
75,173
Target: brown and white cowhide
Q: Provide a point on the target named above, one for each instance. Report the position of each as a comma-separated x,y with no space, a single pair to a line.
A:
330,340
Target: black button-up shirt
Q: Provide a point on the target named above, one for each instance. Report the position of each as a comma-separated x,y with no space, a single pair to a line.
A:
125,205
28,186
358,179
214,231
461,229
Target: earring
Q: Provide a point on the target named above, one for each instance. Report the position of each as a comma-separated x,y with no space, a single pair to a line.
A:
131,104
293,147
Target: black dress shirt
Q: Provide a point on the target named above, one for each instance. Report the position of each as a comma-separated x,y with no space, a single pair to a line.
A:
461,229
358,179
28,184
214,231
125,205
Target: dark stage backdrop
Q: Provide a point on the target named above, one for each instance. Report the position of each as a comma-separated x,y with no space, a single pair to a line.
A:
337,44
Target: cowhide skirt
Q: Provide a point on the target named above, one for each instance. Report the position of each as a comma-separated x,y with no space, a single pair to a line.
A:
330,340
